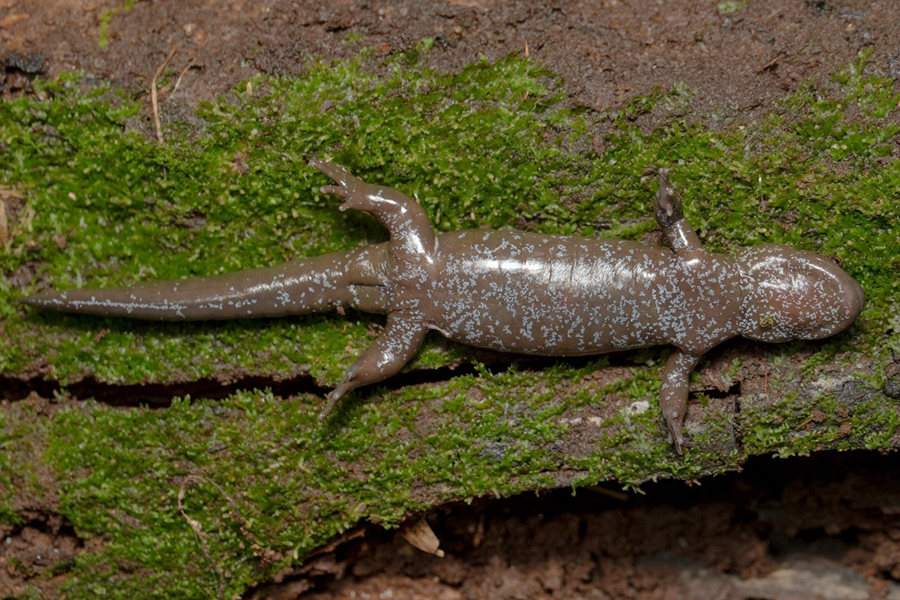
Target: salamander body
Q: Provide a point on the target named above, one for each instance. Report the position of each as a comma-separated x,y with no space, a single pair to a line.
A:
518,292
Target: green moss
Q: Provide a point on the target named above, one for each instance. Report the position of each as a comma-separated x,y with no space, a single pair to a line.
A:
8,515
269,484
107,16
799,426
495,144
730,6
25,479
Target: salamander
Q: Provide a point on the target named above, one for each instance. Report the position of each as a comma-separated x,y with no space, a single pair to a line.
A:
517,292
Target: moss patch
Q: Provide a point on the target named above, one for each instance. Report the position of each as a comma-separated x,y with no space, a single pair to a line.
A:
267,484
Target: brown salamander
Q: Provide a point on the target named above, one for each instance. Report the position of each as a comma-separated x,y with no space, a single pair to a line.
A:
518,292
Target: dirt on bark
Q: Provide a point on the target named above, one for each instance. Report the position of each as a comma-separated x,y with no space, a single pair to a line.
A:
740,58
43,547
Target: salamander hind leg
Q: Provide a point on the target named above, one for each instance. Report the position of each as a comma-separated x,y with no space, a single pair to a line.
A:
673,393
398,343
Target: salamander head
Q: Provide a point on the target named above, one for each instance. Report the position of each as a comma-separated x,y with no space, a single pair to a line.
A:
794,294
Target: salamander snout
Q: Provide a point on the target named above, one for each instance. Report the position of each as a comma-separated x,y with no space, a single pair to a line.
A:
794,294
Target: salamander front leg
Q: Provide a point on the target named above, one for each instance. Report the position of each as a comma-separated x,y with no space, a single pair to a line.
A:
673,393
669,209
395,347
405,219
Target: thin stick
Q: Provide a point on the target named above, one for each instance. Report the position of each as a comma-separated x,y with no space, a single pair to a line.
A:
4,224
153,94
180,77
198,528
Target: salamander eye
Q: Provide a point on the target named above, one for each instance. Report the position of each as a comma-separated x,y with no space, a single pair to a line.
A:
836,260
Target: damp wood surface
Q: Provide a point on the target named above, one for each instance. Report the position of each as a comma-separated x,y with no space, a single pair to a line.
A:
185,460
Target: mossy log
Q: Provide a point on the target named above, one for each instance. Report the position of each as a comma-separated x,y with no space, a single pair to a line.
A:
188,457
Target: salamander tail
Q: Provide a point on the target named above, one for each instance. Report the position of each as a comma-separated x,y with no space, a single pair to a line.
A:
317,284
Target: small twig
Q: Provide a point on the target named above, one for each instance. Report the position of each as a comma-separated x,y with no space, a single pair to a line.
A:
266,555
180,77
526,58
4,224
198,528
803,424
6,195
769,65
153,94
599,489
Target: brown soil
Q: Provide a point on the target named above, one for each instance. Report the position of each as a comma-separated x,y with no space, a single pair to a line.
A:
782,530
44,546
823,527
739,62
